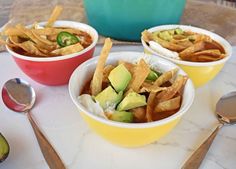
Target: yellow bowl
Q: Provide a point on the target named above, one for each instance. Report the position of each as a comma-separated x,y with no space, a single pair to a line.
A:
199,72
128,134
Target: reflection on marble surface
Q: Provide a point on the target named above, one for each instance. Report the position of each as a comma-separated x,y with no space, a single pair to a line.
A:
79,147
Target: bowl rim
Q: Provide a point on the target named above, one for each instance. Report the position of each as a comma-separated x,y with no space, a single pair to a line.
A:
131,125
93,33
214,36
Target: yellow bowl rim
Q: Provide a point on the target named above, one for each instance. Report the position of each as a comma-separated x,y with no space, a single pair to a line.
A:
216,37
132,125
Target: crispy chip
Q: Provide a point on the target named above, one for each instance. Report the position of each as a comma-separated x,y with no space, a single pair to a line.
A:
140,74
139,114
192,49
56,12
43,40
28,33
96,83
172,90
30,47
171,104
147,36
68,49
106,72
151,98
209,52
165,77
151,88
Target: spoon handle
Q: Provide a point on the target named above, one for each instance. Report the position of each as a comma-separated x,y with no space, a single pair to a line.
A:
49,153
196,158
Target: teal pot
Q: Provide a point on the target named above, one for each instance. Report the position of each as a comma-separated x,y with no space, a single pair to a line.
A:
126,19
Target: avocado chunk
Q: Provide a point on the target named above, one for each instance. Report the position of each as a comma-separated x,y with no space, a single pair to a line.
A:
119,78
132,100
122,116
171,31
108,97
165,35
153,75
4,148
179,31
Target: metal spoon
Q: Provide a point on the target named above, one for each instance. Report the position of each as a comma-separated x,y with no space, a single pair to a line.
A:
20,97
226,114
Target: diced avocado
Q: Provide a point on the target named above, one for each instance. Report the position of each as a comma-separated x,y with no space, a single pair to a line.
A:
179,31
191,38
119,78
132,100
153,75
171,31
165,35
108,97
156,33
4,148
122,116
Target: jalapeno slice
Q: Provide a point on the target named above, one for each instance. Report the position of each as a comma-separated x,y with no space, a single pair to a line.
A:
66,39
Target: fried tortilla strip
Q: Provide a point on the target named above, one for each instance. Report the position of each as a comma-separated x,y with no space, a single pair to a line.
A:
29,34
44,40
181,90
106,72
140,74
139,114
147,36
55,13
68,49
166,77
172,90
168,105
10,31
205,58
96,83
209,52
201,37
169,45
151,88
180,37
2,42
150,106
30,48
152,96
183,42
192,49
214,45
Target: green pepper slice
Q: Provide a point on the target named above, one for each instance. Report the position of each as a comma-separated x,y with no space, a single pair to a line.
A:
66,39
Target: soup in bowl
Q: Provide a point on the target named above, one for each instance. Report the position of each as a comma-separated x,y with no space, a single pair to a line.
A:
53,65
127,109
200,53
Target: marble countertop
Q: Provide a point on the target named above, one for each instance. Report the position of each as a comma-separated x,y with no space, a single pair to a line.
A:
81,148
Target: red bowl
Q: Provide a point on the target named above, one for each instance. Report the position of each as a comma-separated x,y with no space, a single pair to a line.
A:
56,70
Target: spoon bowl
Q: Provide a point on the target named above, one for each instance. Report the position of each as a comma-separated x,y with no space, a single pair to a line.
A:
225,108
226,114
20,97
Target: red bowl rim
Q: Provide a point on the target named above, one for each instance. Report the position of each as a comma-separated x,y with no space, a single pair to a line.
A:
79,25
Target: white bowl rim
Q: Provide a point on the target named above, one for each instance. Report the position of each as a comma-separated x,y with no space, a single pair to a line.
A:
57,58
132,125
188,63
